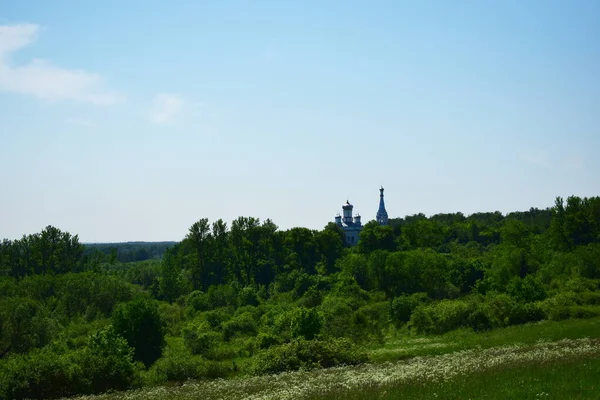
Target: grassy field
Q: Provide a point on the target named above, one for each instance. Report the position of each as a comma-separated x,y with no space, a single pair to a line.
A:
548,360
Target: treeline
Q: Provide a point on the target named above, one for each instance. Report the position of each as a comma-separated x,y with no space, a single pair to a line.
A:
250,299
126,251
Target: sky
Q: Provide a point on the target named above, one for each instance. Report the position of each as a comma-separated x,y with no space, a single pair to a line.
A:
131,120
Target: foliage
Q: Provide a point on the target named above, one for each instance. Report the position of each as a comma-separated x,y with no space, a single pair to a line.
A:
106,363
306,323
403,306
250,298
308,354
139,322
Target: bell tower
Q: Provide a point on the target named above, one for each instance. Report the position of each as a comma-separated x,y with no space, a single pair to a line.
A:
382,216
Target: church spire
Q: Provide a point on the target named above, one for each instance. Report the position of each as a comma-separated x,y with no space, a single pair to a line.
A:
382,216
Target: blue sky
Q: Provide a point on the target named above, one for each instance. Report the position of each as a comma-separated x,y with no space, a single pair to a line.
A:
131,120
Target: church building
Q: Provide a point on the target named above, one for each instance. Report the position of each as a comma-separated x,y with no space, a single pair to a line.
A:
352,225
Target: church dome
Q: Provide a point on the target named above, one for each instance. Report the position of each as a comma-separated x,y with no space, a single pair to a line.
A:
347,206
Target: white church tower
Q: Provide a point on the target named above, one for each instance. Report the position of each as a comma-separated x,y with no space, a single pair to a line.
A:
349,223
352,225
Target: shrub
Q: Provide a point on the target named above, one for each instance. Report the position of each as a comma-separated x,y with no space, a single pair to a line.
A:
403,306
40,374
441,317
199,339
216,318
107,363
306,323
526,290
558,307
221,296
139,322
177,365
197,301
523,313
175,368
24,324
248,296
370,321
337,316
266,340
308,354
311,298
244,323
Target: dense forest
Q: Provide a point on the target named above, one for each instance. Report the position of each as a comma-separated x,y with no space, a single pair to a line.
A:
126,252
248,298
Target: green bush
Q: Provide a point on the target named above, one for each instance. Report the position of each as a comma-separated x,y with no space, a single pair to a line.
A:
370,322
529,312
175,368
337,316
248,296
306,323
313,297
107,363
403,306
198,337
243,324
266,340
216,318
589,298
198,301
526,290
140,323
308,354
177,365
222,296
441,317
41,374
24,325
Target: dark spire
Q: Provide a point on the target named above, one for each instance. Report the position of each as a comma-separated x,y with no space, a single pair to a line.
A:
382,216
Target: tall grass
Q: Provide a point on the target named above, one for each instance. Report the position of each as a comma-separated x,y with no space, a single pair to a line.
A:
559,360
405,346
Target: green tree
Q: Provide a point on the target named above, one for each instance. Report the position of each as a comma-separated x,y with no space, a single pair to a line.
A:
199,237
306,323
107,362
171,280
376,237
24,325
140,323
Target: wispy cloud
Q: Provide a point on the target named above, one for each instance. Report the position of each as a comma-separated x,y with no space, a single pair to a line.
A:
79,122
166,107
574,161
42,79
535,157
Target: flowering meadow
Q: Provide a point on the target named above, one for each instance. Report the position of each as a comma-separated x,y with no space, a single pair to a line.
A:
379,380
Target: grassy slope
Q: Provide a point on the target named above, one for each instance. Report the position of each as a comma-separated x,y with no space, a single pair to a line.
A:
564,379
447,367
406,347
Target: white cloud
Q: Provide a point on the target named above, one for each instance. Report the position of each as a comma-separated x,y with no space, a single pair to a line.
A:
79,122
535,157
165,107
42,79
574,161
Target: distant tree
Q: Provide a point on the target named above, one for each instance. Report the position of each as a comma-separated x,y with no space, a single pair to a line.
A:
199,237
171,281
515,233
24,325
376,237
330,243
